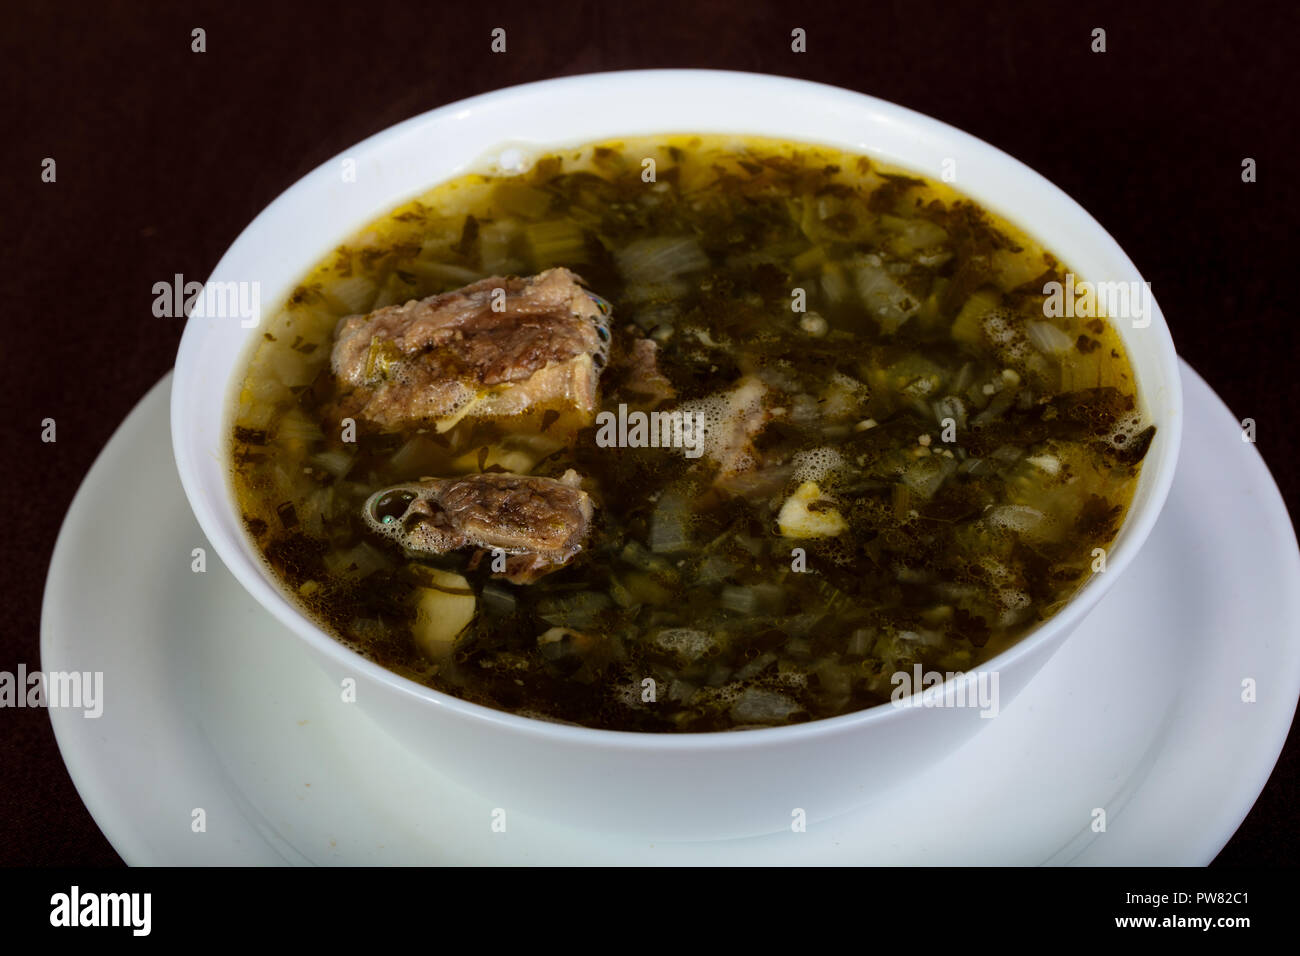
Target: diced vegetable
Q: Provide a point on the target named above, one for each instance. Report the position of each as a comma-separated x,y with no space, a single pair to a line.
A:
926,475
444,610
889,302
445,274
660,259
913,234
810,514
968,325
336,461
354,294
752,599
294,425
358,561
557,242
1048,338
670,524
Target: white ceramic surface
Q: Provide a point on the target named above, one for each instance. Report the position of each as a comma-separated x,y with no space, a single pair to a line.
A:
680,786
211,703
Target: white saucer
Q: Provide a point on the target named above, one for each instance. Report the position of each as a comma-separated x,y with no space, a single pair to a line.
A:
210,704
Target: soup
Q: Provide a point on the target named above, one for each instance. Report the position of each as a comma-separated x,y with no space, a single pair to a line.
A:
690,433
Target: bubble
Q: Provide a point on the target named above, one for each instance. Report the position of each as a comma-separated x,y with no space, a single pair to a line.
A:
386,511
1008,337
816,463
1013,598
1124,430
686,643
723,426
729,693
998,327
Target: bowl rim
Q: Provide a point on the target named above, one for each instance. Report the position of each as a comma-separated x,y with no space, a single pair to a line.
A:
252,574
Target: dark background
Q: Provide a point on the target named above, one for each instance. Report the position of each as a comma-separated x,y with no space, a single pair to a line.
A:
164,156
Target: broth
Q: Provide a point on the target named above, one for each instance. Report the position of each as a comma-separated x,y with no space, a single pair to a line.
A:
907,460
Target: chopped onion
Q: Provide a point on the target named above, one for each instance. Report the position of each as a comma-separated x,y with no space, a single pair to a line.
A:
358,561
294,425
889,302
336,461
293,368
751,599
1047,338
660,259
354,293
913,234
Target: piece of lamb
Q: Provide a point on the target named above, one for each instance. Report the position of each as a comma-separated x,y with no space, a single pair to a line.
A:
539,524
499,348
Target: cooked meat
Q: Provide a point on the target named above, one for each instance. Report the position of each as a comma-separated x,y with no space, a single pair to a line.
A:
636,363
538,523
499,348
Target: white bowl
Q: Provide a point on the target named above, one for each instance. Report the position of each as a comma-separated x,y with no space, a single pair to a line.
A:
688,786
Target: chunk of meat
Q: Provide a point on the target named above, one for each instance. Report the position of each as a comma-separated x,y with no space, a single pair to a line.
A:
499,348
540,524
639,378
